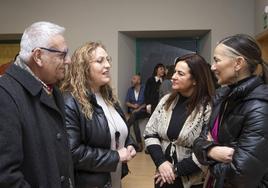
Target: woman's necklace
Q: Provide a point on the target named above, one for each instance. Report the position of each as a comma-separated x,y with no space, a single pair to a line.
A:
111,121
117,133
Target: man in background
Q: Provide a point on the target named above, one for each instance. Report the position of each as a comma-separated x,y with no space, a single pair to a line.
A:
136,107
34,149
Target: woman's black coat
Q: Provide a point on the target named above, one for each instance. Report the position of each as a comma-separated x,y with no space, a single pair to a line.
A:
90,142
244,127
151,92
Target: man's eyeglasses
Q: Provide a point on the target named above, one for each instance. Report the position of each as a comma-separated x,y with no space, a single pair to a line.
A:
62,53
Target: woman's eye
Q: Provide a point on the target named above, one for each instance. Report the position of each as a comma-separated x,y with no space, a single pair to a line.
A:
99,60
216,60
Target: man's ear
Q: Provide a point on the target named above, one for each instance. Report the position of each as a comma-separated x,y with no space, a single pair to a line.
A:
37,57
239,63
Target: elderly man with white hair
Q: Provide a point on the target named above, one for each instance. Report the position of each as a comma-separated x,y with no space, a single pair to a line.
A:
34,148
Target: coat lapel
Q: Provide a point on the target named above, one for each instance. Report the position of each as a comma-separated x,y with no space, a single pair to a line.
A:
58,99
35,88
48,100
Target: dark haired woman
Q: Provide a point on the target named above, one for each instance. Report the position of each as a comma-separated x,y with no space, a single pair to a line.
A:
151,93
177,121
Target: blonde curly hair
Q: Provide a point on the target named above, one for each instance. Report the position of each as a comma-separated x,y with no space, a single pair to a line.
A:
77,78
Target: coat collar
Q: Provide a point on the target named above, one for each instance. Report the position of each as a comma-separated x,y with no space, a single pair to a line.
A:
25,79
241,90
244,87
35,87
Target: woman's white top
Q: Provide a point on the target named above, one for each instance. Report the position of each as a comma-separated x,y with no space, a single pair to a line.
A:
115,123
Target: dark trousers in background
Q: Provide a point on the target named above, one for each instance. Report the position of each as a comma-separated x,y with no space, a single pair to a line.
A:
133,120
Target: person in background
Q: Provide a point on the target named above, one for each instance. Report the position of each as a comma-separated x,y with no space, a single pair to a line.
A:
33,140
136,107
177,121
234,143
98,134
3,67
152,85
166,85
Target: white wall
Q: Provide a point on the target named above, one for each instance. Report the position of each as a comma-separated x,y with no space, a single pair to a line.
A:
126,64
102,19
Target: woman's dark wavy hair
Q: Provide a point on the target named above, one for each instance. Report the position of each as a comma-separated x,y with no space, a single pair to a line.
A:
204,88
156,67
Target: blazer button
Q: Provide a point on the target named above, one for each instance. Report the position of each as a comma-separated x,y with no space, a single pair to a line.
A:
58,136
62,179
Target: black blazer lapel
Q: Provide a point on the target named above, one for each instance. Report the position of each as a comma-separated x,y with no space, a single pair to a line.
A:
50,102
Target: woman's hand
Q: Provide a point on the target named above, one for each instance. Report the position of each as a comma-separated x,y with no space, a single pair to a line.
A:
158,179
166,172
124,155
149,108
209,137
222,154
131,150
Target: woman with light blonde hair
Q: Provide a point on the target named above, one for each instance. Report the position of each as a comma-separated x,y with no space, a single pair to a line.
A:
234,143
98,135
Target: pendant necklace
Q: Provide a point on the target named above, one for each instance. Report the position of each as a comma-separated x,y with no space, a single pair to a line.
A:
117,133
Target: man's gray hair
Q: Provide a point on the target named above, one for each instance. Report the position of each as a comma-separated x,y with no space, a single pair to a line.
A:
38,35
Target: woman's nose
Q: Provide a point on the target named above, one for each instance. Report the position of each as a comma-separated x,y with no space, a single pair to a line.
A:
213,67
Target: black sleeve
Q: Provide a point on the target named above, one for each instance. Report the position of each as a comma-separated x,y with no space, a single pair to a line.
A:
156,154
249,164
183,168
186,167
147,92
201,146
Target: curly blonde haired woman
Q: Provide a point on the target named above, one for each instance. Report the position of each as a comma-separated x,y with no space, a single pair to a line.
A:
98,135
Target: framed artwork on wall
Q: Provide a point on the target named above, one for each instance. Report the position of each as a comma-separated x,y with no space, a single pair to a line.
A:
8,50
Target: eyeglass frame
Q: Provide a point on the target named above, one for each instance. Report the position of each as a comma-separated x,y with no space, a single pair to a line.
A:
108,59
64,53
